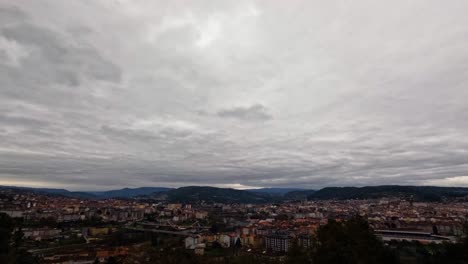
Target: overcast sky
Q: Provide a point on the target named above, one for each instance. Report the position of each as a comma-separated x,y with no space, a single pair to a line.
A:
103,94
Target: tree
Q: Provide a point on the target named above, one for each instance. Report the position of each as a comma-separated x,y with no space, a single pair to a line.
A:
350,242
111,260
237,246
11,252
6,228
238,243
297,255
18,238
216,244
456,253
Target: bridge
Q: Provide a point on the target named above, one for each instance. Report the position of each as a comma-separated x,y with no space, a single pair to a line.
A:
195,225
159,231
423,237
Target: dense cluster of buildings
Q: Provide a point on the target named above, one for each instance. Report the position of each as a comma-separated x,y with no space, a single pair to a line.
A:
256,228
273,228
33,206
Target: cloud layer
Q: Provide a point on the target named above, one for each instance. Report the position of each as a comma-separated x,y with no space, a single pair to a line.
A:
104,94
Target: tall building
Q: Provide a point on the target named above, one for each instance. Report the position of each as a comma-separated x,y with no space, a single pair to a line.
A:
277,242
304,241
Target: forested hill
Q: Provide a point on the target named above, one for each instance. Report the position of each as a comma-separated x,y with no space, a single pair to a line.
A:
226,195
192,194
419,193
216,195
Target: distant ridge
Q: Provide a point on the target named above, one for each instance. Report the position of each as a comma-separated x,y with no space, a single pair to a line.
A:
129,192
121,193
191,194
47,190
419,193
299,195
209,194
278,191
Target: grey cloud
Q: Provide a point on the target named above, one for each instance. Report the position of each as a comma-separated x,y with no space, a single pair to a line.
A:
256,112
11,14
22,121
98,95
50,61
53,60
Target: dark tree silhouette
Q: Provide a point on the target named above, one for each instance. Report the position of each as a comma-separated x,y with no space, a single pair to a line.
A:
350,242
10,251
297,255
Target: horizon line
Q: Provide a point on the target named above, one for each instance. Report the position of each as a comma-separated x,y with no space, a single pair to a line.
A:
255,188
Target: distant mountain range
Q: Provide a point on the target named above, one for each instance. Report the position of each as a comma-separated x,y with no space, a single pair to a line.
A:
180,193
121,193
265,195
279,191
417,193
192,194
129,193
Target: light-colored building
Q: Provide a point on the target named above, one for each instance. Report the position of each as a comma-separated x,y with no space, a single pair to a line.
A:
191,242
174,206
200,249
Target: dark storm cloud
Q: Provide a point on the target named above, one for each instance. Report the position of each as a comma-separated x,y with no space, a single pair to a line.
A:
107,94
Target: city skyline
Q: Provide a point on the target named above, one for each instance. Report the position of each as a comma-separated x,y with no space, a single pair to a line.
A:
99,95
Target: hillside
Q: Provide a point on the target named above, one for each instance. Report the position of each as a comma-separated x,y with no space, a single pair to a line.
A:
122,193
52,192
276,191
420,193
129,192
298,195
215,195
265,195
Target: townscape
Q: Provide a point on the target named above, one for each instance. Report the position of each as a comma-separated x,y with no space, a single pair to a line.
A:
61,229
233,132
